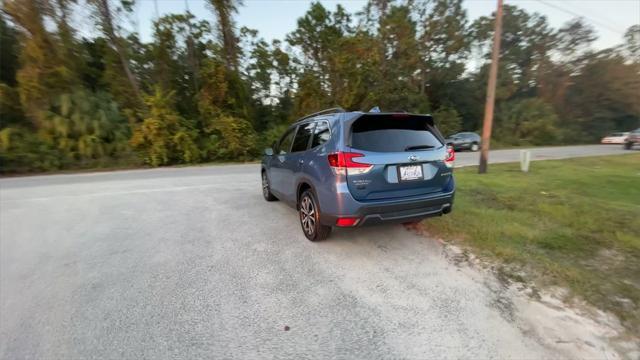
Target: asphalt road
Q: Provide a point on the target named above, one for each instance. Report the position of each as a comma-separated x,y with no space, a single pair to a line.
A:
542,153
193,263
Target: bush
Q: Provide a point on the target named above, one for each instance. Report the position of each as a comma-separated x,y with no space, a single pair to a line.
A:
164,137
21,151
85,126
80,129
447,120
233,139
526,122
272,135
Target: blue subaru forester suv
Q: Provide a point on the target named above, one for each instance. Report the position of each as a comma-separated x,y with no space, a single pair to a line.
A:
350,169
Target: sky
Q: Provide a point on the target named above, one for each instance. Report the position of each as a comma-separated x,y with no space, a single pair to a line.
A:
275,18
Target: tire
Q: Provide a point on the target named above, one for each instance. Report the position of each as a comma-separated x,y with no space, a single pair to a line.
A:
266,188
628,145
309,215
474,147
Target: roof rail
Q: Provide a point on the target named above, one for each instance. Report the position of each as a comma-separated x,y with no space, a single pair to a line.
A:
322,112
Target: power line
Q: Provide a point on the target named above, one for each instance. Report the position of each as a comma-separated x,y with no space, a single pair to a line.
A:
596,22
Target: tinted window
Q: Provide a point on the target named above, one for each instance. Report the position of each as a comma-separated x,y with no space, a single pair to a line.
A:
392,134
321,134
285,143
302,137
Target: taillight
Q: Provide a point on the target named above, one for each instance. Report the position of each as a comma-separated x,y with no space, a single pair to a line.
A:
450,157
343,162
347,221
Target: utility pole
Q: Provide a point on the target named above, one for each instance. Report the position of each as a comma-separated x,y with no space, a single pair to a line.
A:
491,92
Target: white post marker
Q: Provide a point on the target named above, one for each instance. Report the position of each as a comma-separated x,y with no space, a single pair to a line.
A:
525,159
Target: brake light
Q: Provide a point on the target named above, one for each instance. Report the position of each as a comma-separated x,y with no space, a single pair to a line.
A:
450,157
347,221
343,162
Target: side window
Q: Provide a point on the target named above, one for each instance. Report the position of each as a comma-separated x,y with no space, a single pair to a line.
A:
285,143
321,134
302,137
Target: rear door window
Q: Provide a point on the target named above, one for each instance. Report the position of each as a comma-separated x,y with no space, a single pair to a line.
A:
321,134
303,135
386,133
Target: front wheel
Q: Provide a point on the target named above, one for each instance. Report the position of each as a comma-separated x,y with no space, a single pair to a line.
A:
628,145
475,147
310,218
266,188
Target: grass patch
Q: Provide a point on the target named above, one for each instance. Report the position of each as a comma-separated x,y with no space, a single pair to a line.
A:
573,223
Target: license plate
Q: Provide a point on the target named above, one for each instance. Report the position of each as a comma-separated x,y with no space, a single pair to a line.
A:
410,172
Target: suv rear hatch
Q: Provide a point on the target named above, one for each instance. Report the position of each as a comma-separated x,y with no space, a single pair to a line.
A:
407,154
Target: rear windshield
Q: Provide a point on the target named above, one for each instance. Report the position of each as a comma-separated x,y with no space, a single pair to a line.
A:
385,133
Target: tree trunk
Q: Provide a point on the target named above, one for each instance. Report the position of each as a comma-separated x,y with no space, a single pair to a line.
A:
104,11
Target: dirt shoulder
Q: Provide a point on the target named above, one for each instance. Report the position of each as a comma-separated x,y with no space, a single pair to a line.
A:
562,241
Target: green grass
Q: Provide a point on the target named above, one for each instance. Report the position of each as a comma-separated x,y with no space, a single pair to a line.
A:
573,223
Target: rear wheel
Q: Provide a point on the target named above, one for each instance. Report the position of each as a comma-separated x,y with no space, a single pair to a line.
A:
628,145
310,218
475,147
266,188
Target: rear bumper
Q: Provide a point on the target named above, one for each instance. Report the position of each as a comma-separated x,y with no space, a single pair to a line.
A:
396,211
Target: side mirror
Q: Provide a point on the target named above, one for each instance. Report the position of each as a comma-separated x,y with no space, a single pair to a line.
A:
268,151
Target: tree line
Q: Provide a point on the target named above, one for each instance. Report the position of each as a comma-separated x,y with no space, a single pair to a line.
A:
206,90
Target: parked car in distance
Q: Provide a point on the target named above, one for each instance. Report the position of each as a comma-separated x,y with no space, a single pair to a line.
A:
632,139
615,138
464,141
350,169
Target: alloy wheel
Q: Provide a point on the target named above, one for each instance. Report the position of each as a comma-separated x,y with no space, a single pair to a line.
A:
308,215
265,185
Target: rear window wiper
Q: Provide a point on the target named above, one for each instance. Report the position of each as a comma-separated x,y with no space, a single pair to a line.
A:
417,147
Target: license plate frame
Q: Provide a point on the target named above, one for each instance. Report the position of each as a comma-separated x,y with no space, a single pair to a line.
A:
408,173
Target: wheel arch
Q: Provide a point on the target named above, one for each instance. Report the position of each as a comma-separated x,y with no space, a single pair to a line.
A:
303,185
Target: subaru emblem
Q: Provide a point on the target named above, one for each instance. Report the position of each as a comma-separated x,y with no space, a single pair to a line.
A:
413,158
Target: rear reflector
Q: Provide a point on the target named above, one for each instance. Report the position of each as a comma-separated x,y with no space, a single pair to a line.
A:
347,221
342,162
